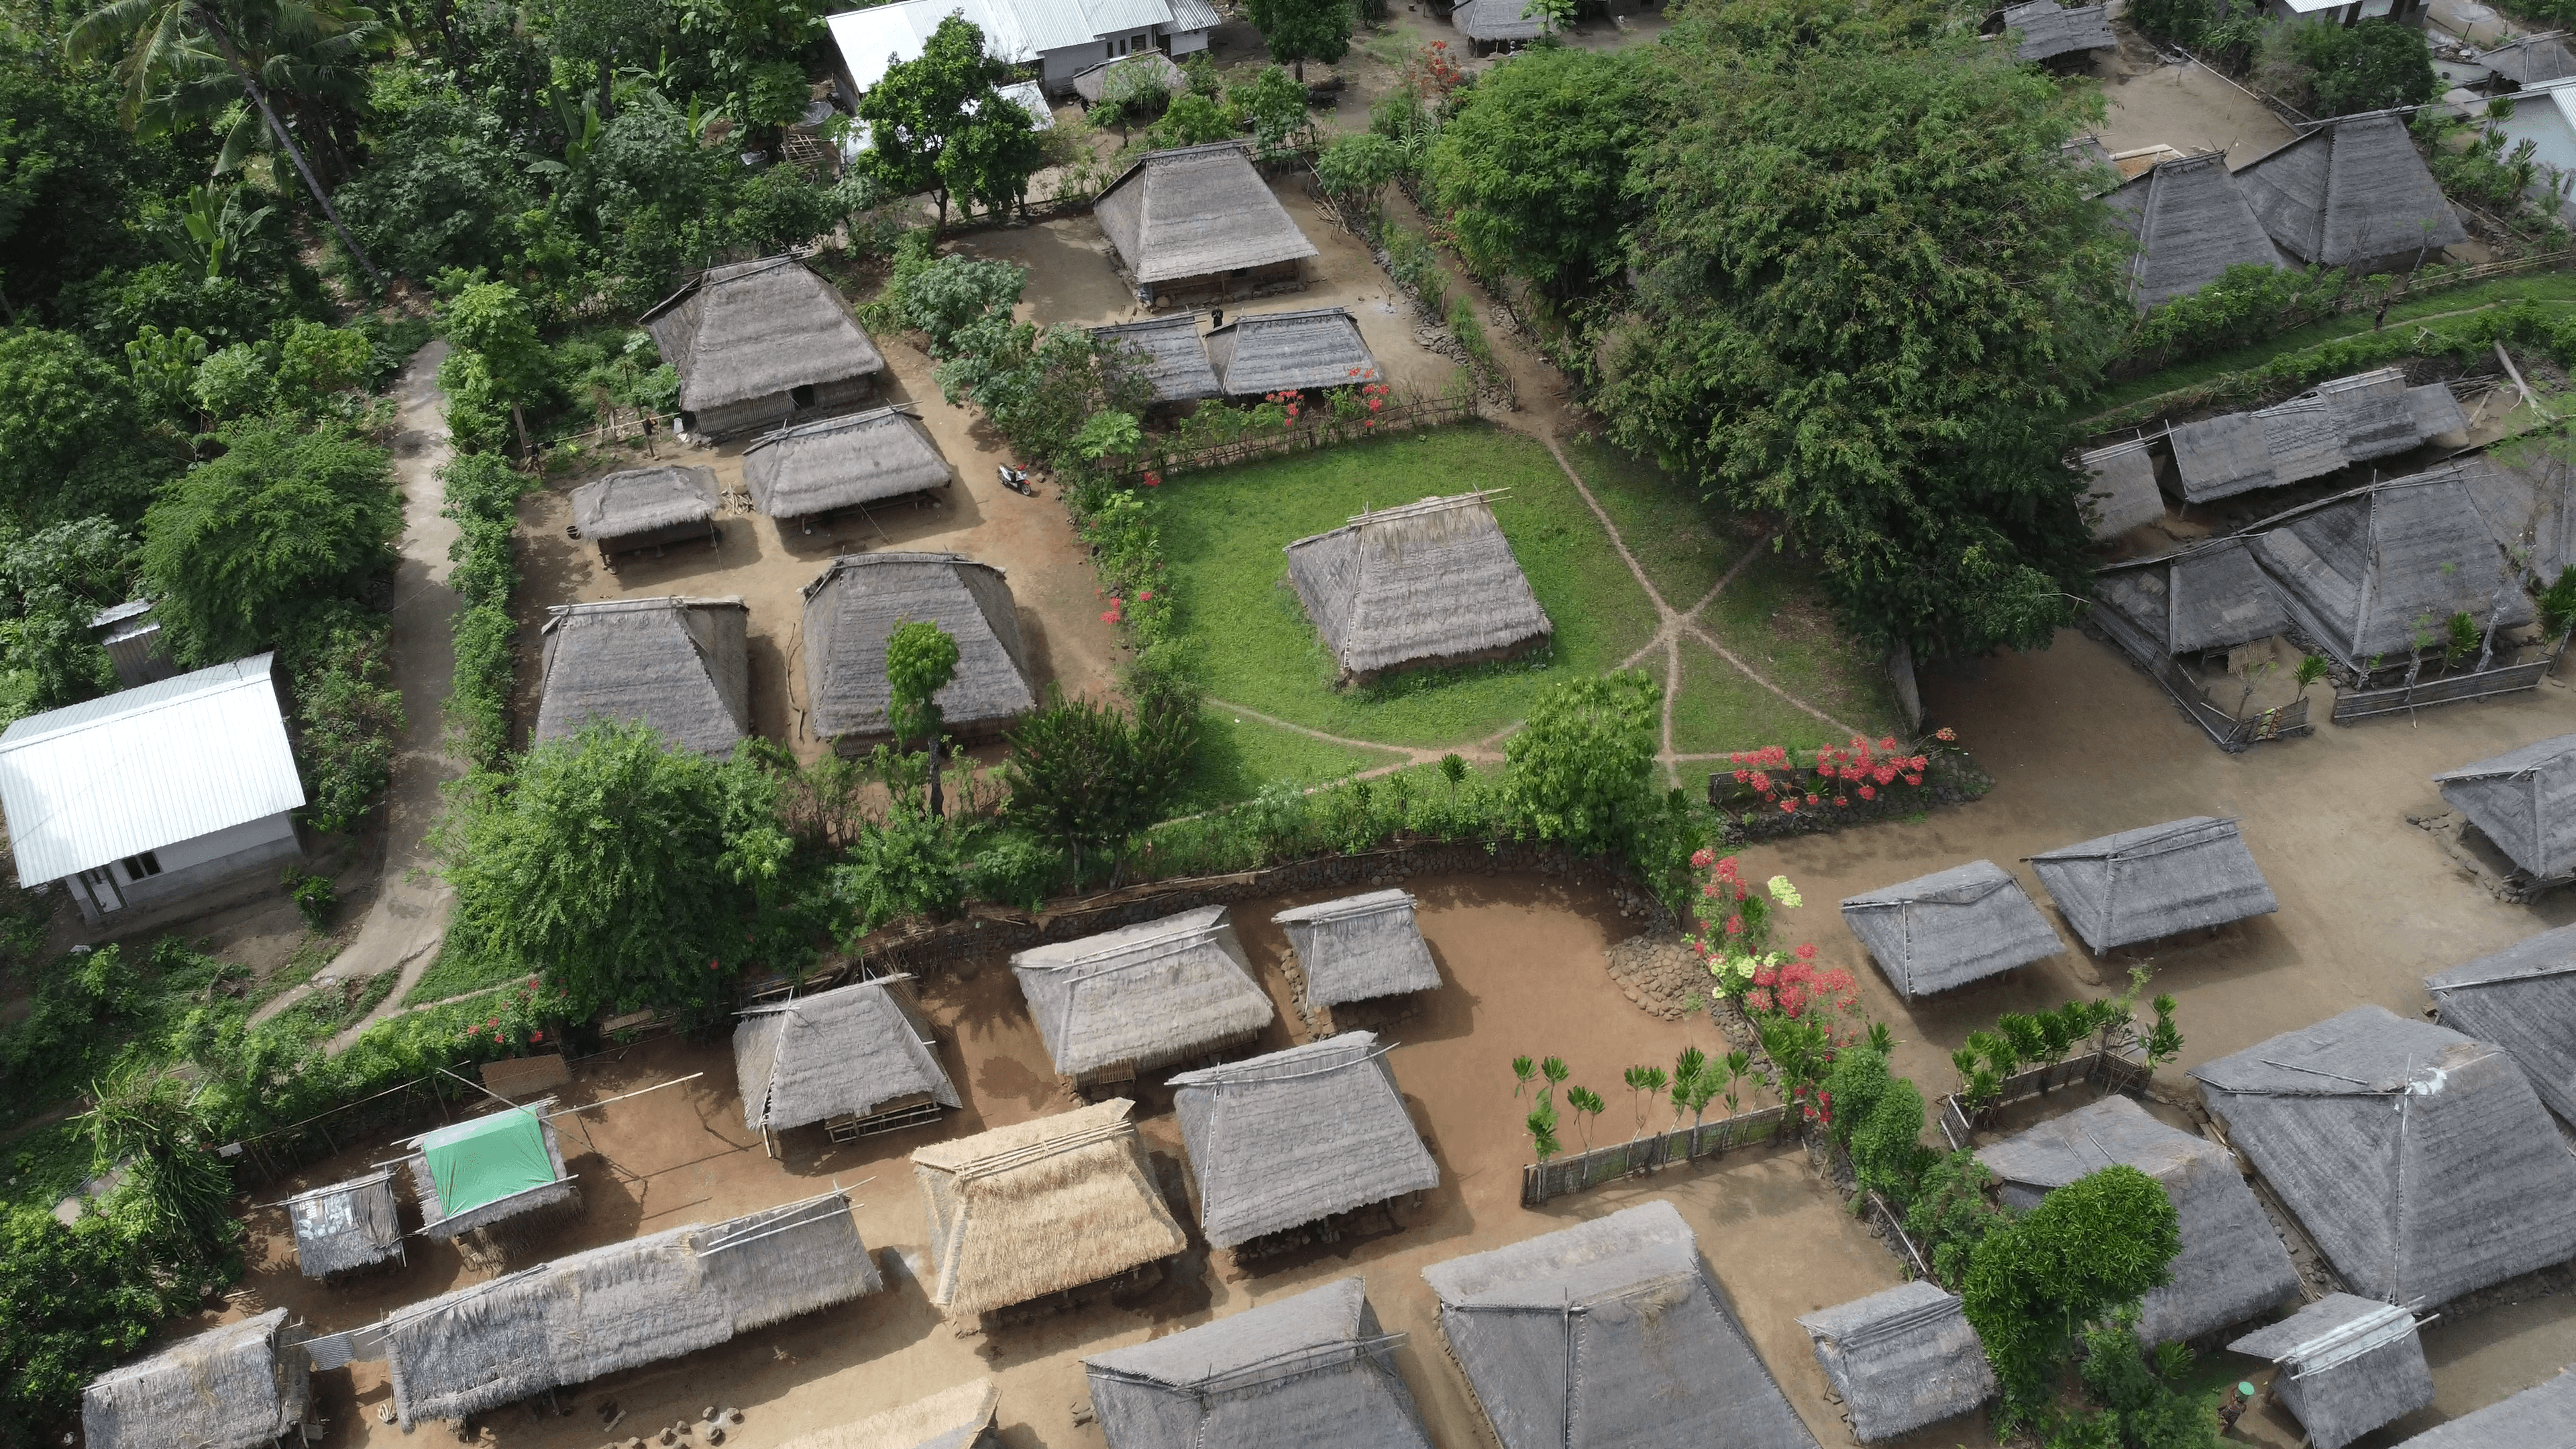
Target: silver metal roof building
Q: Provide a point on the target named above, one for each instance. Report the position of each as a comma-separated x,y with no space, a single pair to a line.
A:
2154,881
2525,801
1949,928
1902,1359
1293,1137
2348,1366
2523,999
1359,947
1310,1372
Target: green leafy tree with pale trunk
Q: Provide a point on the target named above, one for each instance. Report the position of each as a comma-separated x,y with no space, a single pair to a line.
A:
920,107
1582,768
1297,31
921,658
2091,1248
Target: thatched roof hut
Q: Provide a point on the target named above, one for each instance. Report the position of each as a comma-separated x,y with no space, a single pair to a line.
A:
1949,928
2331,426
680,665
1169,353
2349,1365
1419,585
1039,1207
1145,995
2374,413
1609,1332
2525,801
2524,498
2536,1418
2154,881
2529,60
958,1418
2352,192
479,1171
2047,30
1496,22
2210,596
1901,1359
346,1225
819,468
1310,1372
1269,352
2232,1266
645,507
853,608
853,1051
2363,571
755,343
2191,224
1296,1136
1199,217
1360,947
232,1387
2419,1160
1156,68
2523,999
2122,493
2303,438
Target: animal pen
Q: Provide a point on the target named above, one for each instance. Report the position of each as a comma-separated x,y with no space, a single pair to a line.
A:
808,473
1949,928
641,508
2155,881
2173,615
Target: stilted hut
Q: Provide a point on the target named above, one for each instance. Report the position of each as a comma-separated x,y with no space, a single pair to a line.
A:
1901,1359
2525,801
2122,494
2348,1365
1170,354
241,1385
2043,30
1418,586
2353,192
1315,1369
805,474
1298,1136
682,666
487,1169
756,343
346,1225
2191,224
958,1418
1950,928
1271,352
2523,999
2362,572
1142,996
853,608
2210,597
859,1059
1359,948
639,508
2536,1418
1199,220
1492,25
2155,881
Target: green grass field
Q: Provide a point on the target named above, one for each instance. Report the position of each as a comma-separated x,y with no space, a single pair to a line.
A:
1238,755
1684,544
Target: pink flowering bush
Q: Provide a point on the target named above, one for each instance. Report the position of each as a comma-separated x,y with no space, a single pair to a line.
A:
1772,779
526,1017
1736,923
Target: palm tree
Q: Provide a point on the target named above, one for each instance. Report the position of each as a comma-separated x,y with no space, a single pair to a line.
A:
311,56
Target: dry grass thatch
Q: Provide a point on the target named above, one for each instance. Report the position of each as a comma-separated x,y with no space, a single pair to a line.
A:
2536,1418
1949,928
679,665
640,501
442,1219
2369,572
2530,59
2191,224
1496,20
757,330
2525,801
2209,596
853,608
1310,1372
2348,1365
820,467
1169,353
2154,881
2049,30
345,1225
1040,1207
2523,999
1296,1136
853,1049
1092,83
2525,501
1360,947
1267,352
2352,190
1901,1359
227,1388
1197,211
1148,995
957,1418
2122,493
1422,584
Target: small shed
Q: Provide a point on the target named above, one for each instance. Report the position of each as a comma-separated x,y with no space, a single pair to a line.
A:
2352,192
1417,586
1297,1136
2348,1365
1901,1359
2190,223
2524,497
346,1225
1491,25
2121,493
2536,1418
1199,219
756,343
2525,801
2157,880
2207,597
2478,1185
1269,352
2523,999
958,1418
1170,354
485,1169
811,471
636,508
1143,996
1150,67
1359,947
132,639
2529,60
1950,928
1041,1207
2364,571
233,1387
858,1058
2047,30
680,665
853,608
1313,1370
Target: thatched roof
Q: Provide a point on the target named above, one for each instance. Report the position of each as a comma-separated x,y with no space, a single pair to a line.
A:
643,500
2221,457
1901,1359
1609,1333
2536,1418
2523,999
957,1418
854,1049
1093,83
2364,571
2211,596
1268,352
1494,20
2374,413
1310,1372
2436,411
2121,492
1196,211
484,1169
2191,224
1360,947
1147,994
2331,426
2303,437
1023,1211
2523,496
1174,359
2419,1160
2530,59
2232,1266
1286,1139
843,462
2525,801
345,1225
1416,584
2351,190
232,1387
679,665
2048,29
853,608
2350,1365
754,329
2137,885
1949,928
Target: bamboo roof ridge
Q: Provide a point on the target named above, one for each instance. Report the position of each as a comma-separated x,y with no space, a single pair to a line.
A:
1314,1371
1041,1206
1949,928
1148,994
346,1225
2352,190
643,500
853,608
1092,83
1296,1136
482,1170
844,462
1195,211
1608,1333
1360,947
854,1049
2530,59
1496,20
2048,30
2536,1418
2137,885
751,329
2191,224
2523,999
1418,584
2419,1160
232,1387
1901,1359
2212,595
1169,353
679,665
2525,801
2122,493
2352,1365
2363,572
1267,352
958,1418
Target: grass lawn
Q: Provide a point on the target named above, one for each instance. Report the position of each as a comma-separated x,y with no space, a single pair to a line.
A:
1237,755
1684,544
454,974
1775,618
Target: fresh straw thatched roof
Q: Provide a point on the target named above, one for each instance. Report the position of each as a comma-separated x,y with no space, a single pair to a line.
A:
957,1418
854,1049
679,665
479,1171
232,1387
2363,572
1609,1333
345,1225
1269,352
643,500
2525,801
1417,584
853,608
1147,994
1194,212
2210,596
1171,355
843,462
2121,492
2530,59
1901,1359
2137,885
2419,1160
1092,83
1039,1207
1949,928
2232,1266
1286,1139
2523,496
2048,29
2351,190
2191,224
1310,1372
2536,1418
1360,947
1496,20
2349,1365
753,329
2523,999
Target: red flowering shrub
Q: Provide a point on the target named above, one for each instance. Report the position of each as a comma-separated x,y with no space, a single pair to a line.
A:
1832,776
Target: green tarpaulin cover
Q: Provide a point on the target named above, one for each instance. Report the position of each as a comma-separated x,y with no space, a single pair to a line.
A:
487,1159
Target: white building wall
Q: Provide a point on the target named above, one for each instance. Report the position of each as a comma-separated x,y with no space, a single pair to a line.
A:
1183,42
191,865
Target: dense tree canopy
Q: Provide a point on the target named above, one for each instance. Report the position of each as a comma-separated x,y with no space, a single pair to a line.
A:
1533,168
1297,31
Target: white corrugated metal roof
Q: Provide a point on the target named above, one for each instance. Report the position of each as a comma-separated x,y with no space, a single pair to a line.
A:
145,768
1016,31
1194,15
1117,17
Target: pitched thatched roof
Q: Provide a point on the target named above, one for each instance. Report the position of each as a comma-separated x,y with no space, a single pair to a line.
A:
1901,1359
1174,359
1609,1333
2364,571
680,665
2523,497
2048,29
1035,1208
2419,1160
643,500
1310,1372
2137,885
1360,947
1093,83
957,1418
753,329
2232,1266
1417,584
1286,1139
2221,457
2211,596
2191,224
2530,59
2351,190
345,1225
2122,492
2303,438
2335,424
843,462
1270,352
227,1388
484,1169
2351,1365
2523,999
2374,413
2536,1418
854,1049
1949,928
1196,211
2436,411
2525,801
1495,20
1149,994
853,608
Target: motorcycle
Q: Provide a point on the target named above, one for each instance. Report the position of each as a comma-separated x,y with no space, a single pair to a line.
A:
1017,480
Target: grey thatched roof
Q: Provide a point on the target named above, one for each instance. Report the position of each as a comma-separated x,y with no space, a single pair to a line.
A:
1416,584
1041,1206
2048,29
1092,83
2222,456
2536,1418
2374,413
1197,211
955,1418
2303,438
2121,492
680,665
2525,801
2436,411
1949,928
232,1387
2232,1266
853,608
1360,947
754,329
2349,1365
2523,497
1609,1333
1174,360
1492,20
345,1225
1286,1139
1147,994
2191,224
438,1222
2137,885
643,500
2363,572
2211,596
2523,999
854,1049
1901,1359
2419,1160
2351,190
1268,352
842,463
1310,1372
2530,59
2335,424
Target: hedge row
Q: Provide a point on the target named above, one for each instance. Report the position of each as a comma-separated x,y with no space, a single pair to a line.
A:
482,496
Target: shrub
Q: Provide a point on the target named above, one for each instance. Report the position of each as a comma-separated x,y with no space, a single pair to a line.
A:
347,712
482,493
1950,1213
905,867
1583,769
2370,66
1014,870
2091,1247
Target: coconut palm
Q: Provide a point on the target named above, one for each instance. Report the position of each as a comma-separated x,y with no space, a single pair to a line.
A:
312,58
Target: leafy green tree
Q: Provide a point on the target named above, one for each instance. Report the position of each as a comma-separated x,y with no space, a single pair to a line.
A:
940,297
177,1194
1582,769
237,382
1356,169
905,867
1276,104
1086,778
2033,1284
2370,66
989,161
1191,120
73,181
75,1301
1553,16
52,583
919,107
1950,1213
490,326
445,185
347,713
736,36
921,658
2183,22
73,437
604,32
1297,31
164,369
1532,170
